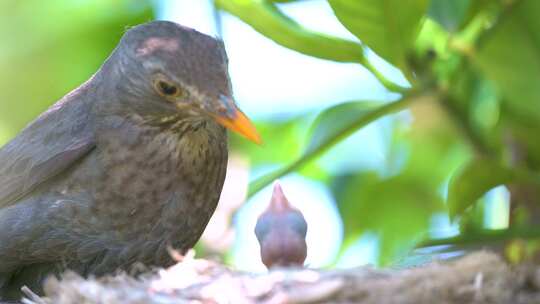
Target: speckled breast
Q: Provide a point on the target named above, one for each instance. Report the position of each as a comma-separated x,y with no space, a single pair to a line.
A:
159,186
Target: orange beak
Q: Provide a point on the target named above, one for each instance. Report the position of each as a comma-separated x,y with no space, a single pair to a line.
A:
239,123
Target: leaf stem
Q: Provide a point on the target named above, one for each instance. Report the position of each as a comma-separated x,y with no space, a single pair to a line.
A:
383,110
389,85
485,236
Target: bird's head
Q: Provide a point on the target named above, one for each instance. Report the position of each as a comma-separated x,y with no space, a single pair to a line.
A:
281,231
166,70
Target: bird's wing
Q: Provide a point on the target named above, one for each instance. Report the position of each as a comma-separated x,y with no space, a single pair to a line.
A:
46,147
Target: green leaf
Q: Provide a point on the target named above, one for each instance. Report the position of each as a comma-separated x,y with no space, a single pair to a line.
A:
398,209
449,14
484,107
328,133
335,121
432,37
285,1
509,55
268,20
388,27
472,181
265,18
524,131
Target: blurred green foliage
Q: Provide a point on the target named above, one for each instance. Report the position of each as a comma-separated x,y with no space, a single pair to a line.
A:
474,95
473,67
71,38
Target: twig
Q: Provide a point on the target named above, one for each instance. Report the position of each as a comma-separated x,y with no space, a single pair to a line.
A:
32,298
384,110
485,236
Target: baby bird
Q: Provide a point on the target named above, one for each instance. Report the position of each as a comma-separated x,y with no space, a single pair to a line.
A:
281,232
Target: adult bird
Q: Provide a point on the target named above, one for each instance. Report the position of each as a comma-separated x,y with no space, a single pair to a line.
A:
130,163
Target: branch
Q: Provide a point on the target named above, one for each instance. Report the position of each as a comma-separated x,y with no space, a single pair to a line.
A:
485,236
383,110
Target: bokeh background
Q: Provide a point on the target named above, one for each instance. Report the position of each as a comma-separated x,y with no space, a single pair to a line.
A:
370,198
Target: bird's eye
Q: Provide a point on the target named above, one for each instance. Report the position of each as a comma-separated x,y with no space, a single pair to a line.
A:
167,89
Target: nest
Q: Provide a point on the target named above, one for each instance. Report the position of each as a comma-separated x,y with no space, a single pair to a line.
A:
481,277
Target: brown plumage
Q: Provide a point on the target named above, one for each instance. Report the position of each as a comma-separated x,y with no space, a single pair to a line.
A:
131,162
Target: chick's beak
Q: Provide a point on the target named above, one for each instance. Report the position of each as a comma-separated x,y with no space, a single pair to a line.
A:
238,122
